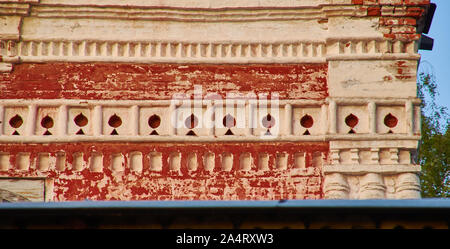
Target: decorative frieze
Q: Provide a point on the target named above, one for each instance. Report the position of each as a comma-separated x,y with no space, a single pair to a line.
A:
314,51
372,185
162,51
370,48
407,186
270,169
234,120
95,162
336,186
368,167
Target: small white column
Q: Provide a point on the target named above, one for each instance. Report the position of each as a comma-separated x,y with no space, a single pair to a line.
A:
115,49
62,120
50,50
394,155
372,108
61,48
409,115
158,48
30,49
333,120
407,186
2,119
335,157
173,117
126,49
250,117
137,50
31,120
417,120
97,120
354,156
39,48
288,119
324,117
335,186
69,49
374,156
82,49
134,120
179,50
372,186
210,114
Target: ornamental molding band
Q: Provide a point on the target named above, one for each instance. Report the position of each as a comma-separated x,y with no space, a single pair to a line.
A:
209,100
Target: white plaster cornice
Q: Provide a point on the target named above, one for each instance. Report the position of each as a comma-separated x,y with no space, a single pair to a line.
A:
364,169
198,4
186,14
185,11
241,32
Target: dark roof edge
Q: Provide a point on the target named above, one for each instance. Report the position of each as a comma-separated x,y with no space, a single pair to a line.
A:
443,204
429,18
424,25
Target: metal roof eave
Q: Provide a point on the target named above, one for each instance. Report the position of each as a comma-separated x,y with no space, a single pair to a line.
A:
432,203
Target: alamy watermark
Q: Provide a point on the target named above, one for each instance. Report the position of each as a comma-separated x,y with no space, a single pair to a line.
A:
259,113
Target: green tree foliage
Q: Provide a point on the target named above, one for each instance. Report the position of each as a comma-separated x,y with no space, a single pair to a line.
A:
434,147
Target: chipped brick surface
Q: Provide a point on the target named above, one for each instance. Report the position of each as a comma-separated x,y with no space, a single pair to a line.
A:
182,184
160,81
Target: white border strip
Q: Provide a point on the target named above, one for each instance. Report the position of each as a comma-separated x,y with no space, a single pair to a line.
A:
366,168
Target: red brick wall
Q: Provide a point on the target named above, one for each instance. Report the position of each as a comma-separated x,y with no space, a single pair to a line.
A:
272,184
160,81
398,18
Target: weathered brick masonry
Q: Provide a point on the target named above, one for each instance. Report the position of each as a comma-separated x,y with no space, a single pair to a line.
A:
321,99
112,81
185,180
97,81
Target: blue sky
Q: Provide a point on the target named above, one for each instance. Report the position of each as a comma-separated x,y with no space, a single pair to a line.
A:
437,61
